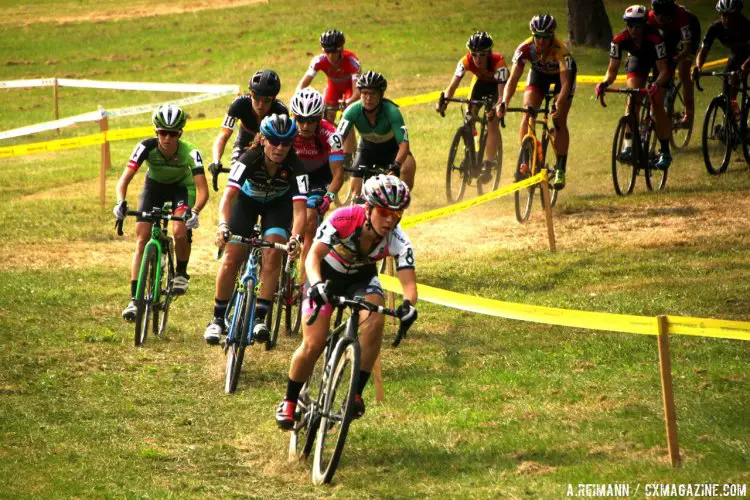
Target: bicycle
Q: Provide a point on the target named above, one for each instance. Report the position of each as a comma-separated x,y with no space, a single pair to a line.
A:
324,406
152,296
722,134
240,315
643,157
532,157
470,164
366,171
288,299
676,111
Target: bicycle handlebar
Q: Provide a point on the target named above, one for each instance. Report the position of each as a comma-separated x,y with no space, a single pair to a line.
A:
215,170
253,242
486,102
357,304
156,214
620,91
721,74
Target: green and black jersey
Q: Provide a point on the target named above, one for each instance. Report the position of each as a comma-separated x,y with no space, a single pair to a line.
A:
179,169
389,123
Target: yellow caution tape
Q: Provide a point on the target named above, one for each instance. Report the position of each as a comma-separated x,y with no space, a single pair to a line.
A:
625,323
57,145
413,220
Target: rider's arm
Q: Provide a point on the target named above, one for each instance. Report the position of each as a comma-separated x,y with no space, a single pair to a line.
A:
306,80
700,59
217,151
510,88
201,192
566,83
122,184
346,122
355,186
451,89
299,211
355,90
403,152
611,74
398,127
337,170
662,66
312,265
408,279
226,204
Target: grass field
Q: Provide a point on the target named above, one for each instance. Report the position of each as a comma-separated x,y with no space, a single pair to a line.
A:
475,406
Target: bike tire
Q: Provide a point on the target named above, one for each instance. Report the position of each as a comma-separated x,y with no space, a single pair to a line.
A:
145,295
524,197
623,172
549,164
676,109
279,301
307,414
655,179
235,347
294,311
496,172
460,172
167,299
342,382
711,137
745,130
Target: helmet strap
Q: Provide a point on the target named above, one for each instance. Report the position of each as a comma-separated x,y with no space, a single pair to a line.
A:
368,219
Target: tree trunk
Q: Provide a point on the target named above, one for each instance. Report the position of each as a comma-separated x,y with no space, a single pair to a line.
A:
588,23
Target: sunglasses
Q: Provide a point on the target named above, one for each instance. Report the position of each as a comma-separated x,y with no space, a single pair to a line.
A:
385,212
635,25
331,51
479,54
543,36
279,142
307,119
170,133
263,99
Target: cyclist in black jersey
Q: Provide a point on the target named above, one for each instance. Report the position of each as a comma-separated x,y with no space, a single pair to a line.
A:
249,110
175,174
269,181
733,31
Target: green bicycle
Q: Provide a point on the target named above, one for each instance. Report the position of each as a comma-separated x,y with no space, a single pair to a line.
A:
153,294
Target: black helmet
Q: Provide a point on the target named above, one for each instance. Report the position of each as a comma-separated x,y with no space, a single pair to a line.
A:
663,7
729,6
332,40
543,23
265,82
372,80
480,41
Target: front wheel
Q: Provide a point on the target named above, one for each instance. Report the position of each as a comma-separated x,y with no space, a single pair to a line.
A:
550,161
144,298
716,137
336,414
624,158
676,111
496,171
236,342
655,179
458,169
525,197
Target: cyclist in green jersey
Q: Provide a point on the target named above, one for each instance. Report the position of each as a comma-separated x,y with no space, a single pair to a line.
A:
175,174
384,140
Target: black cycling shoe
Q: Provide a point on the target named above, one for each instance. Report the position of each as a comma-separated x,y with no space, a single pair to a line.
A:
358,406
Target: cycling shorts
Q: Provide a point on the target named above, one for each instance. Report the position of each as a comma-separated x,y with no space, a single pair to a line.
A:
359,284
319,181
156,194
540,82
334,92
642,68
372,153
275,216
481,89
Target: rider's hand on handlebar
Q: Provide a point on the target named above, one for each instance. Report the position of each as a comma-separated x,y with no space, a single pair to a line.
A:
214,167
294,247
325,203
600,88
319,293
407,313
120,210
394,169
441,107
222,235
500,109
192,222
652,89
695,73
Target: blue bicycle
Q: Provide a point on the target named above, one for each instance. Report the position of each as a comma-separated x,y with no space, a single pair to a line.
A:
240,314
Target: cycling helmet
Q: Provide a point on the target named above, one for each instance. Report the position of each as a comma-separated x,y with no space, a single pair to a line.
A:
663,7
372,80
543,23
480,41
332,40
278,127
635,13
169,117
729,6
307,102
265,82
387,191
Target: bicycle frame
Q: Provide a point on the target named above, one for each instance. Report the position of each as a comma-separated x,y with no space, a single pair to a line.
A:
247,281
158,234
532,119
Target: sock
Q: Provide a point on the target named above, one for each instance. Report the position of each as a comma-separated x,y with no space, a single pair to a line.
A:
664,145
292,390
220,308
562,162
182,267
363,378
261,309
133,288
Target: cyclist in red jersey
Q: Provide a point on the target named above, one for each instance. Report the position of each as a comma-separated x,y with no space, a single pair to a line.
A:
342,69
681,31
491,73
648,53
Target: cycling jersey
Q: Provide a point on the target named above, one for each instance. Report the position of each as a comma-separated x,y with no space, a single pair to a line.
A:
242,109
316,152
346,71
178,169
342,231
555,60
389,123
250,176
684,27
496,71
736,38
642,58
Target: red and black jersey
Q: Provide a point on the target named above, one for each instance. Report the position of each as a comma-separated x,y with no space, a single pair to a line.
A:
652,46
684,27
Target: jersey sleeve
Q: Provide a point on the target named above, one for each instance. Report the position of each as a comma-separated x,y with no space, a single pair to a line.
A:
139,154
660,47
711,34
238,173
353,64
233,114
461,68
396,119
521,55
347,120
332,140
315,65
501,70
301,183
197,162
400,248
615,47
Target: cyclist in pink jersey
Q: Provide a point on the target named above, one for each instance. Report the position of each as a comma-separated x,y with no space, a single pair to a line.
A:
342,69
342,261
318,147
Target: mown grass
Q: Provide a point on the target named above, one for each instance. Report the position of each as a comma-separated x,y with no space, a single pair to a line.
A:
475,406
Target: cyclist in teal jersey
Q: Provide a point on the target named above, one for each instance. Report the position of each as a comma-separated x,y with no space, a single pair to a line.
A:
175,174
384,140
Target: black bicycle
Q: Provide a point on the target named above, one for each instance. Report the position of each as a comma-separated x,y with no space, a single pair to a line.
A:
722,134
464,167
324,407
639,157
676,111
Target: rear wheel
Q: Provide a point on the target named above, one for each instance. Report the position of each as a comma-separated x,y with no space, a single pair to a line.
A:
745,131
279,301
236,343
676,111
307,415
336,414
716,139
294,310
524,197
144,299
460,161
623,166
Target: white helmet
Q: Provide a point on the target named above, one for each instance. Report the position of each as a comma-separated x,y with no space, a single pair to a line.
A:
637,13
307,103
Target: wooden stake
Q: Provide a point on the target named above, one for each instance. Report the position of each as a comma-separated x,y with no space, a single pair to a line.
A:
54,94
548,211
378,375
106,161
665,369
